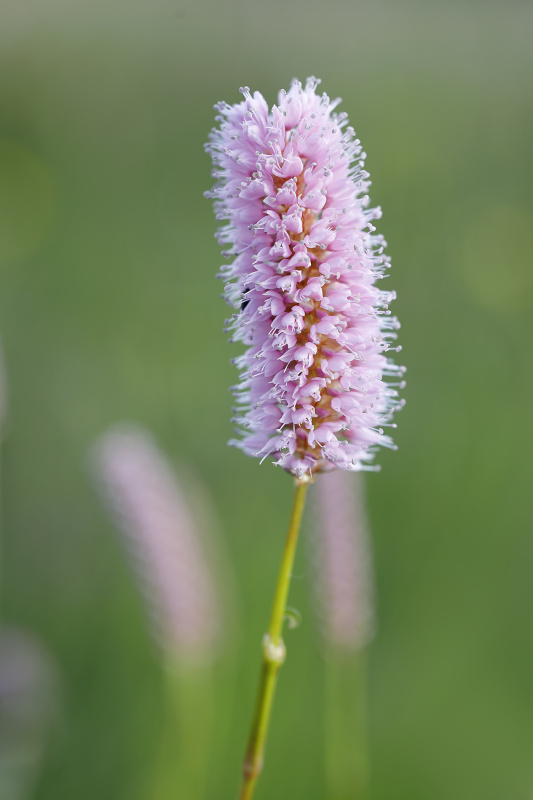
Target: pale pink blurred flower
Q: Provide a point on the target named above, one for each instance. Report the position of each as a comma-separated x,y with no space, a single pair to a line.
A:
29,705
343,562
292,186
162,534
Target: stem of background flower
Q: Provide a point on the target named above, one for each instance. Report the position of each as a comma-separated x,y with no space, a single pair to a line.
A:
345,726
273,650
181,767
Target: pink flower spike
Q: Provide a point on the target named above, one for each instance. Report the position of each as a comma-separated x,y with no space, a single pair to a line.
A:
292,188
343,562
162,532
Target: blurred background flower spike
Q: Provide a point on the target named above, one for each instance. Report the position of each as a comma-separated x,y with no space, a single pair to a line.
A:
172,561
344,601
30,700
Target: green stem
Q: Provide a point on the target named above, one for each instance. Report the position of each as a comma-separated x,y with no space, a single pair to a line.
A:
345,726
273,651
181,768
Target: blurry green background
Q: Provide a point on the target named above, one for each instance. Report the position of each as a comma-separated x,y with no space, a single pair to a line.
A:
109,310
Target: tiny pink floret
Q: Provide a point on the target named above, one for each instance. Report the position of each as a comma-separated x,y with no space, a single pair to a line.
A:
292,187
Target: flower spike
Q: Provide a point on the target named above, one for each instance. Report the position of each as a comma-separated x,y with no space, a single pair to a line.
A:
292,190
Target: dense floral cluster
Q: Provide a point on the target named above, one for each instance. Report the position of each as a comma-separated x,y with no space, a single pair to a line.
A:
162,535
292,186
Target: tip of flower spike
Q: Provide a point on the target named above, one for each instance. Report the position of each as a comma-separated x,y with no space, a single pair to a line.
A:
311,83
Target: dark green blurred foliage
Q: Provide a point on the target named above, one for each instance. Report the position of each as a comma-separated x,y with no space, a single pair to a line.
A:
109,310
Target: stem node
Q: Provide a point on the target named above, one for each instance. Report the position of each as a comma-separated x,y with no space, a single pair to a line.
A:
273,652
